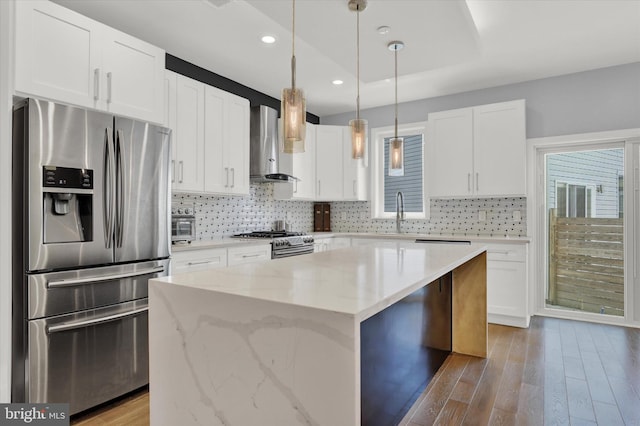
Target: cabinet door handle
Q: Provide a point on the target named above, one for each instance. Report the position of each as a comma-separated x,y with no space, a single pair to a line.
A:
245,256
109,82
469,182
173,171
96,84
233,177
477,180
204,262
181,163
226,181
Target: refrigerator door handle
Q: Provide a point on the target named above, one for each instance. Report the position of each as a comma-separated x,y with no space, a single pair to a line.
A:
87,323
119,226
92,280
108,188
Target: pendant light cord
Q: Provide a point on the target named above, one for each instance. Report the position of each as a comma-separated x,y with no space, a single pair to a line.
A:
293,48
358,62
396,78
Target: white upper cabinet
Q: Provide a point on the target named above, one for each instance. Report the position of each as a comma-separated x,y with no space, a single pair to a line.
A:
67,57
477,151
499,138
226,146
188,135
217,176
236,143
329,163
301,165
450,153
210,142
326,170
133,73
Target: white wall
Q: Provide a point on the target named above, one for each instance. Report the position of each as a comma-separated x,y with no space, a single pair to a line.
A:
584,102
6,90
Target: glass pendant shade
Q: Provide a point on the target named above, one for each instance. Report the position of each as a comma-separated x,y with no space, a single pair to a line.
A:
359,131
294,114
396,157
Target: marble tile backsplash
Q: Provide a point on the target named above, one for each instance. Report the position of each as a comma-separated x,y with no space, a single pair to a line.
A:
218,216
448,217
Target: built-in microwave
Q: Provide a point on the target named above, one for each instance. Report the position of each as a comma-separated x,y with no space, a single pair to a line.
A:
183,223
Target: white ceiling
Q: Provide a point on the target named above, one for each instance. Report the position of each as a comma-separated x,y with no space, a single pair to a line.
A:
452,46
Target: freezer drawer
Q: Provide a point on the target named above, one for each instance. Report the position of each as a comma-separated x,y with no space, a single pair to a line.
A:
89,357
56,293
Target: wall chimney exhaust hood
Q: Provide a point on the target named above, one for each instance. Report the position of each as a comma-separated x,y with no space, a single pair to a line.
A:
265,148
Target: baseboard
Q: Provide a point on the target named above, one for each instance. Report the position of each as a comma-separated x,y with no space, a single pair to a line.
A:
511,321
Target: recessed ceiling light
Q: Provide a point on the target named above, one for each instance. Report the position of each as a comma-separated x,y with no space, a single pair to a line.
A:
337,82
383,30
268,39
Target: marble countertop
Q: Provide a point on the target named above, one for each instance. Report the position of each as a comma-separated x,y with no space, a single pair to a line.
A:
217,243
434,237
357,281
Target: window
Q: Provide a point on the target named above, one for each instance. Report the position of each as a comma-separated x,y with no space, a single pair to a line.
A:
412,184
575,200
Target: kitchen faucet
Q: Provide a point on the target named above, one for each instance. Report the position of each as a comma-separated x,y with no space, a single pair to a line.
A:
399,210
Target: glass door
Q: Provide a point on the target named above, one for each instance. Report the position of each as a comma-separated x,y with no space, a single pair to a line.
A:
585,231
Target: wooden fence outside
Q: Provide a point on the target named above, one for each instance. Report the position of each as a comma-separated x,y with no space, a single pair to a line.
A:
586,264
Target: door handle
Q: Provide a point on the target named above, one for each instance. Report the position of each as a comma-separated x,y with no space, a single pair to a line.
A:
109,82
477,181
226,182
181,164
233,177
90,280
245,256
86,323
119,226
173,171
96,84
469,182
108,187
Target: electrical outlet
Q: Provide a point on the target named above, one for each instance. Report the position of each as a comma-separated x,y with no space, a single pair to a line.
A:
343,215
517,216
482,215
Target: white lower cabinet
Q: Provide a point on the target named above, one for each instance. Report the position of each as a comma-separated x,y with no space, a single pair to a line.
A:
507,284
196,260
242,255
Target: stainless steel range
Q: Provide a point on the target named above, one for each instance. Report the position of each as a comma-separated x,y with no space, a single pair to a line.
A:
283,243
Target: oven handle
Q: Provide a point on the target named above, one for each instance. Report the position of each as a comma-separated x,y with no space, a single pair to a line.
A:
87,323
91,280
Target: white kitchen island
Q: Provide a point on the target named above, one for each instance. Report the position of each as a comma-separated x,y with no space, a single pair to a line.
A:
279,342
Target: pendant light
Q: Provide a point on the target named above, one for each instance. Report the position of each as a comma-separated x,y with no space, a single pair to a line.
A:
359,127
294,110
396,145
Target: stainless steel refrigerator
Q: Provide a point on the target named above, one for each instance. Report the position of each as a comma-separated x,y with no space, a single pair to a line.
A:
91,227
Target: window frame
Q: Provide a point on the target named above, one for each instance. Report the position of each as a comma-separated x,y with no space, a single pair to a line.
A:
589,188
378,135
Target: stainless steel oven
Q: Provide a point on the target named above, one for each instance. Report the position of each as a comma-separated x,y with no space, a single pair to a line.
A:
183,223
283,243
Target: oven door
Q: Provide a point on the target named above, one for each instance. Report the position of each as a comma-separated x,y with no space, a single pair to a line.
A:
183,229
88,357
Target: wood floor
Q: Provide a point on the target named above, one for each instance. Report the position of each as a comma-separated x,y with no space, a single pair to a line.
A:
557,372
